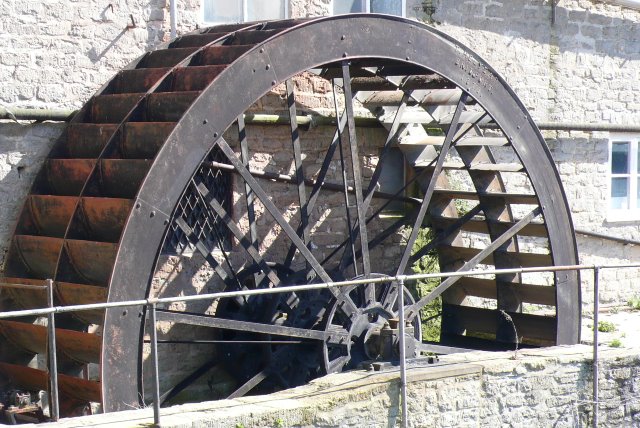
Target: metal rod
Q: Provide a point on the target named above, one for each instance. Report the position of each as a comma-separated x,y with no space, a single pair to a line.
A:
403,357
248,193
596,308
624,241
54,403
361,230
347,204
154,364
297,158
312,120
294,288
58,115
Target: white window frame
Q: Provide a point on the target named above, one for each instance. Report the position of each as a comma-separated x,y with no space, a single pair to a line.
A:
631,213
245,12
365,6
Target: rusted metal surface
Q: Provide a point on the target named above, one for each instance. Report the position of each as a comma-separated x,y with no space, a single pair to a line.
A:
104,217
64,177
121,178
136,80
91,260
142,140
48,215
78,346
80,294
39,254
85,140
113,108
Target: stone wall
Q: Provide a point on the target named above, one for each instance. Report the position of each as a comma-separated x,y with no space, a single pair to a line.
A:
551,387
23,148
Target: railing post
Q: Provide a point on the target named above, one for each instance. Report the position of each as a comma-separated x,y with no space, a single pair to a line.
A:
54,403
596,309
403,361
154,365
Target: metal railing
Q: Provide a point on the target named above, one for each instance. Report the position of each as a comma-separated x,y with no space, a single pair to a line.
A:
152,303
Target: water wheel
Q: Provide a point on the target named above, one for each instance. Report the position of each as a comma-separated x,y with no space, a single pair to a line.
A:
172,155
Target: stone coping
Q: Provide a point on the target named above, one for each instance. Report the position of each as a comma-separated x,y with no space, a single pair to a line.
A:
298,405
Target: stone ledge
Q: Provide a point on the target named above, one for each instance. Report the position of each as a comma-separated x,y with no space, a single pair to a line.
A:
459,387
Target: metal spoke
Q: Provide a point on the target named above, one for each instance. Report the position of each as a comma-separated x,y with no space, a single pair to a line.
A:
248,193
273,210
464,129
432,184
244,242
251,383
357,176
344,262
391,292
279,359
444,285
297,159
249,196
184,383
251,327
443,235
345,185
374,214
319,183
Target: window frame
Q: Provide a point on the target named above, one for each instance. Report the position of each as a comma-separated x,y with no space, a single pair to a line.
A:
365,7
632,211
245,13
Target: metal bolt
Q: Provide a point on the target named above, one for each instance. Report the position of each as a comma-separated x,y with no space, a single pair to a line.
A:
215,135
261,50
343,37
268,66
204,122
273,82
138,205
152,214
344,54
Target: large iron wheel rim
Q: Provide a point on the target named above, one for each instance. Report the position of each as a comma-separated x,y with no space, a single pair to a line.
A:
270,61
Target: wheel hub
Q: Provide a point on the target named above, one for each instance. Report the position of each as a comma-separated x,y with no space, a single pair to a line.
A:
373,330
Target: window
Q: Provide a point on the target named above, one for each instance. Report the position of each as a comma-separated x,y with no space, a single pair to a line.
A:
391,7
624,184
231,11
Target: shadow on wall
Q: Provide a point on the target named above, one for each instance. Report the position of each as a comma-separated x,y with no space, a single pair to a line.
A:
23,149
575,29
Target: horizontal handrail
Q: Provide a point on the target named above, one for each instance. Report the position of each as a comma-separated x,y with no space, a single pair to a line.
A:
305,287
